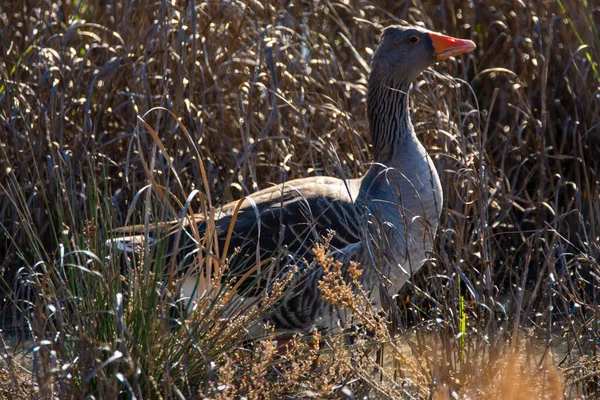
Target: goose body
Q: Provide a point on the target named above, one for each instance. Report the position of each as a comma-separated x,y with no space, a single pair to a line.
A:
385,220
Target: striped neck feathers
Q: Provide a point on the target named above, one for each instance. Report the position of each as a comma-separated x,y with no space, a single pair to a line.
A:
389,119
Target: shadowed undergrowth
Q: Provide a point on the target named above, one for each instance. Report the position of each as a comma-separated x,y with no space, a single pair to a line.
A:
119,113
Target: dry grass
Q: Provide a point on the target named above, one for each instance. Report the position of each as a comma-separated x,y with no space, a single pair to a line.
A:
270,91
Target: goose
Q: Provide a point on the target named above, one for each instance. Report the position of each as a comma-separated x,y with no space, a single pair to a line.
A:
385,221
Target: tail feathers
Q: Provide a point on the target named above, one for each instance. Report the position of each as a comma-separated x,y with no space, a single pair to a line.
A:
130,244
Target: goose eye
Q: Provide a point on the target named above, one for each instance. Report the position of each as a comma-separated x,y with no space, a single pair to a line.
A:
413,40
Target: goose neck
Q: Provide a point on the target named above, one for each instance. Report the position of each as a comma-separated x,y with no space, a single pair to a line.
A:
389,119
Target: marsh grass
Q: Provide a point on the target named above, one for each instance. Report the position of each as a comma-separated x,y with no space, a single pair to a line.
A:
121,113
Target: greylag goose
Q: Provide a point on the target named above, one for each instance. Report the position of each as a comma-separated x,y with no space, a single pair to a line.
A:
386,220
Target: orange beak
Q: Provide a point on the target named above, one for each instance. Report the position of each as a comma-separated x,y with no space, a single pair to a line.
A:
446,46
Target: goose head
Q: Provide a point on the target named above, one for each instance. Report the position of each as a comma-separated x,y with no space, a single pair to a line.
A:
405,52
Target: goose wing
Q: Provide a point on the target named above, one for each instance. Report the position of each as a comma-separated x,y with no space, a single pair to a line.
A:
281,223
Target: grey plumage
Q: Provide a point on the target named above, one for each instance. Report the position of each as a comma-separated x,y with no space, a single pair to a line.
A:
385,220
